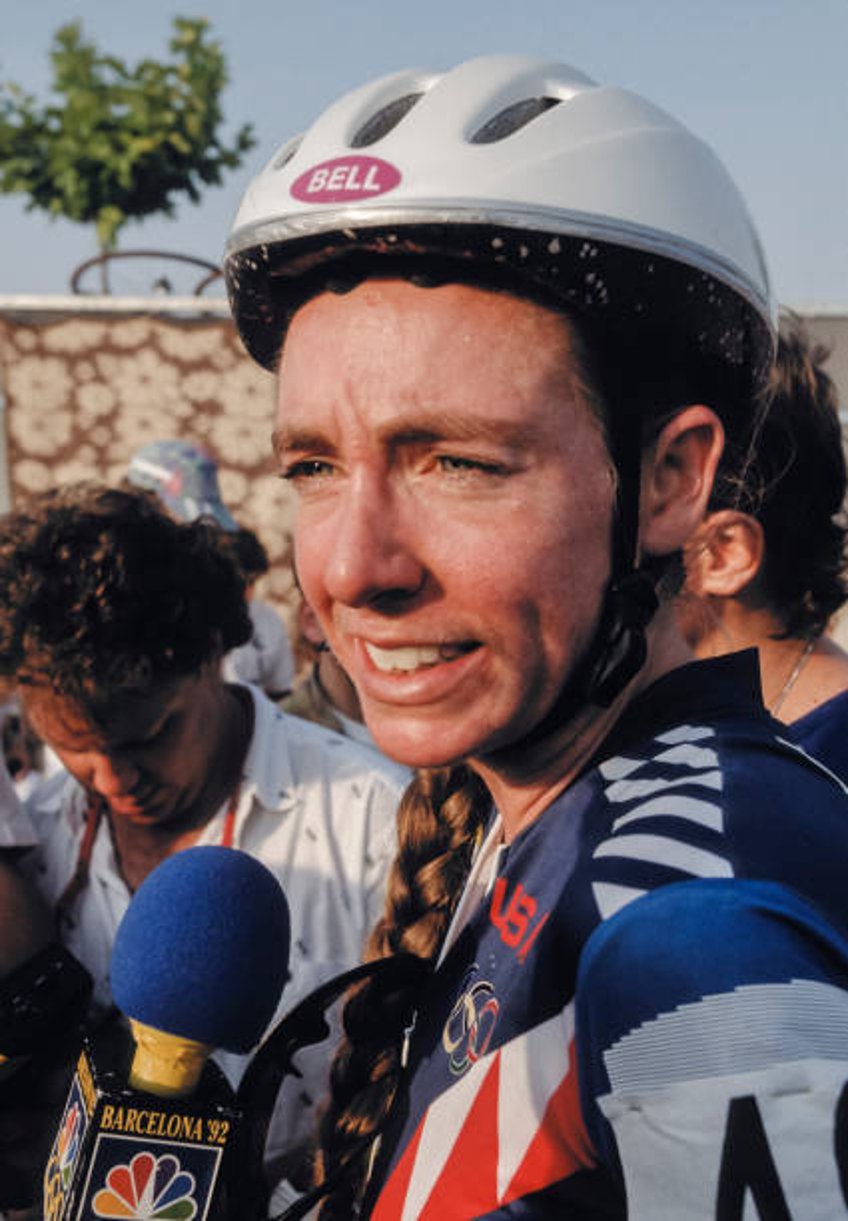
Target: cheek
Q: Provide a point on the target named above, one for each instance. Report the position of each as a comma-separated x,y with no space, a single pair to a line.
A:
566,569
558,546
532,584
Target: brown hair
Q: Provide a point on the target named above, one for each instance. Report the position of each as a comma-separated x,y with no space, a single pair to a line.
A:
795,485
101,592
440,820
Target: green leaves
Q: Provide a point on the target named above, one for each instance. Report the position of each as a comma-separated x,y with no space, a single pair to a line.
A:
119,142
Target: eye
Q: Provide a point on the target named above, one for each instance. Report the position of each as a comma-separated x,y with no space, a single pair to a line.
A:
306,469
453,464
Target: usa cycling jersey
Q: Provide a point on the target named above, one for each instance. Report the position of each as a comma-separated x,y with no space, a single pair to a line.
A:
824,734
645,1016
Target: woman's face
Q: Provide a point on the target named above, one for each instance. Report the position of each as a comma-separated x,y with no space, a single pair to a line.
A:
455,500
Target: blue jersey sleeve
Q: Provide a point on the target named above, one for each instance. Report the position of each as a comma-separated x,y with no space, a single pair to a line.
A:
712,1034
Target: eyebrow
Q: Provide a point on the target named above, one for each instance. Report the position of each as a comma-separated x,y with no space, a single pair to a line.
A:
299,439
423,427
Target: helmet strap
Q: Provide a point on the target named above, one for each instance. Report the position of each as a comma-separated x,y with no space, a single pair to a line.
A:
621,646
630,601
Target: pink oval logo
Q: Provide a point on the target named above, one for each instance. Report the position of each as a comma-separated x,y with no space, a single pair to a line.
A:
344,179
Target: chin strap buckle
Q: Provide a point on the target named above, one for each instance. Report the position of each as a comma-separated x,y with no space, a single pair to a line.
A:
630,605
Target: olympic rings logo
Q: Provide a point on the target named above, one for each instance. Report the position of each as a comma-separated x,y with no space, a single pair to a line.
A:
468,1031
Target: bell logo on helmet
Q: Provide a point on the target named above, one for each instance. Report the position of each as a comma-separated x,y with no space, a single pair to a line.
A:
344,179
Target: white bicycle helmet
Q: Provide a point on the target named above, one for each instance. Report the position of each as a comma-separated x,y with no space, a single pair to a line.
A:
585,189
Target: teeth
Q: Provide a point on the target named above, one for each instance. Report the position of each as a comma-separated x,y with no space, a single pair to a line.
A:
410,658
414,657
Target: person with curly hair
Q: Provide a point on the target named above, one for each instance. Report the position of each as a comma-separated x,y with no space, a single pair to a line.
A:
114,618
183,476
767,567
515,316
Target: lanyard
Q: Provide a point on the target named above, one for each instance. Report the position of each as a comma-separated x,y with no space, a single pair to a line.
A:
228,833
94,811
79,878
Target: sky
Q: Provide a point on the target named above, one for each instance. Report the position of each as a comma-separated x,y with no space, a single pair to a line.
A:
764,82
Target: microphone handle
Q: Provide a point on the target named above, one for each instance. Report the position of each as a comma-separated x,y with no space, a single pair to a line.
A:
256,1096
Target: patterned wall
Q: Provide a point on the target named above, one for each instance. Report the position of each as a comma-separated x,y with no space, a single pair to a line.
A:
83,393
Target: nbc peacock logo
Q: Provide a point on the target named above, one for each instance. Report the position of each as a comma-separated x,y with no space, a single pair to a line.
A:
68,1142
148,1189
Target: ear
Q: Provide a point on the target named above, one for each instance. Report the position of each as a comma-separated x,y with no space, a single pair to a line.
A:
677,479
724,555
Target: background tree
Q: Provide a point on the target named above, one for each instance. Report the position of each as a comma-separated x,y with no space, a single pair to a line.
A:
119,143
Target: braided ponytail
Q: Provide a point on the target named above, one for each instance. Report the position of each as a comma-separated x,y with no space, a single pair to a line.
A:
439,822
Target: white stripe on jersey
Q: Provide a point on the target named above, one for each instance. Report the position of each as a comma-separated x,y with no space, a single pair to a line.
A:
742,1031
633,790
650,785
611,898
693,809
666,851
686,733
532,1067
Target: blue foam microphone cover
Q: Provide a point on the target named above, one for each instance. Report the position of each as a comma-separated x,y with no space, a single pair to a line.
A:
203,948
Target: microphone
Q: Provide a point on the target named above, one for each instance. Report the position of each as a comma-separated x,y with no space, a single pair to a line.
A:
199,962
200,958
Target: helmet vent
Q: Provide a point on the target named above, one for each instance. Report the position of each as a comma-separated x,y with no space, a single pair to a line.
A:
287,153
512,119
385,120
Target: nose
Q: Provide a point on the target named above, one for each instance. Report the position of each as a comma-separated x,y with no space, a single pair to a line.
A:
113,776
373,557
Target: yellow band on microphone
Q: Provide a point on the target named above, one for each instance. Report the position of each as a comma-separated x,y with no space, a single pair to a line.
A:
167,1065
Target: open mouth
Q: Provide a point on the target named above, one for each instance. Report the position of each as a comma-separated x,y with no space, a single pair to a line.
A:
407,658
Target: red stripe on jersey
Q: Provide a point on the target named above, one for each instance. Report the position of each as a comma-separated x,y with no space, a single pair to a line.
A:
389,1206
561,1146
465,1185
468,1184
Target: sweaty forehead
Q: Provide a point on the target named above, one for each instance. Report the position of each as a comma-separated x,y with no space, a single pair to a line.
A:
455,338
376,307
